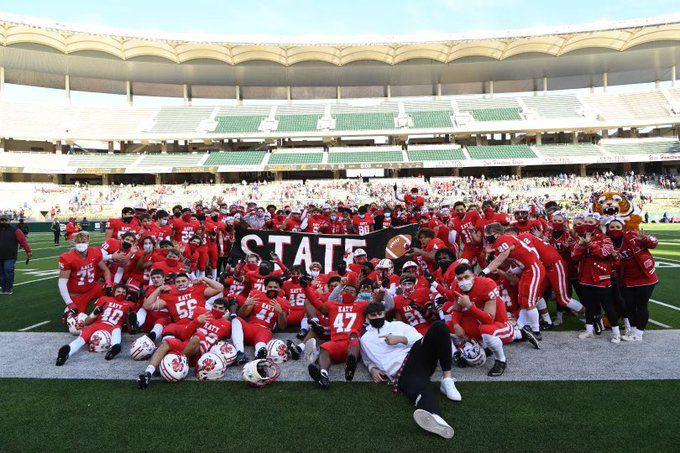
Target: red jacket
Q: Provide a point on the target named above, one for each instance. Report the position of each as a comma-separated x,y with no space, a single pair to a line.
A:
595,260
563,244
637,266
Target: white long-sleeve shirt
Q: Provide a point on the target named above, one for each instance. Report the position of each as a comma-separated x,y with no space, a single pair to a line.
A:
378,354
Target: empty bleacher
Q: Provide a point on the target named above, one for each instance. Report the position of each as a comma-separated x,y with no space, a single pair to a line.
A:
104,123
501,152
364,121
171,160
569,150
102,160
432,119
491,109
554,107
287,158
175,120
36,121
434,153
297,123
235,158
627,106
362,155
641,147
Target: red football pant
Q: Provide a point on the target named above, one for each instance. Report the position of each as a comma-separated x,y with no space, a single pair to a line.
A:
213,255
296,315
83,300
337,350
253,334
92,328
529,285
503,330
556,276
470,253
202,258
183,331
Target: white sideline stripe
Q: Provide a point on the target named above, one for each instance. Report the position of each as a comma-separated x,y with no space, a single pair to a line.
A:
36,280
49,248
662,259
660,324
43,258
665,305
33,326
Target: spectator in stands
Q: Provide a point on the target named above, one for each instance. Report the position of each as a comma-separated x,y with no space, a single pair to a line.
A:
10,239
56,230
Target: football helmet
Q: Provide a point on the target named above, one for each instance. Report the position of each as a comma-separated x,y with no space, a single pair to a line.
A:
473,353
142,348
277,351
385,264
409,264
100,341
210,367
226,351
75,323
174,367
261,372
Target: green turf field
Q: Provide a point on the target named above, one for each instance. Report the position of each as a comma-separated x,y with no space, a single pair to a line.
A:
36,305
228,416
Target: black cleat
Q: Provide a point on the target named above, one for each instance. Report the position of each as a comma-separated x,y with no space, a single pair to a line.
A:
529,336
317,328
294,350
301,334
488,352
459,360
114,351
157,372
318,377
546,325
497,369
261,353
143,380
62,355
350,367
598,326
152,336
241,358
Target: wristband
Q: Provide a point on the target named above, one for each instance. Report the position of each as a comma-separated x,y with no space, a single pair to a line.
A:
486,271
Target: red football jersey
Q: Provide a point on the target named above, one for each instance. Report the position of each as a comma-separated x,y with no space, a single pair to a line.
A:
184,230
412,201
257,280
522,254
483,290
410,315
526,227
549,256
264,314
85,272
363,226
346,319
213,331
466,227
119,228
295,294
114,310
315,222
182,304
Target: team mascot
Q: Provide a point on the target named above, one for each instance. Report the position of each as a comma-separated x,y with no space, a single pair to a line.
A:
619,205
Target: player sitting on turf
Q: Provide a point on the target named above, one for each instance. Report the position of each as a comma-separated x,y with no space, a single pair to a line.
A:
79,272
108,315
206,330
264,311
152,321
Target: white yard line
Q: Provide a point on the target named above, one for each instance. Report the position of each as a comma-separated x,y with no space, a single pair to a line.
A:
665,305
660,324
43,258
33,326
36,280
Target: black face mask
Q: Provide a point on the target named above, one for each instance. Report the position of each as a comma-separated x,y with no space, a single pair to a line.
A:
491,239
377,322
127,219
177,214
287,212
272,293
444,265
215,218
126,245
264,270
342,268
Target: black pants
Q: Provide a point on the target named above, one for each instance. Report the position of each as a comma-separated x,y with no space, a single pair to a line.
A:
434,348
222,262
637,301
57,235
593,297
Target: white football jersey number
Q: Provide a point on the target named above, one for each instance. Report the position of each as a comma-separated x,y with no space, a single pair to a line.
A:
297,300
414,317
85,276
265,315
344,321
112,316
185,309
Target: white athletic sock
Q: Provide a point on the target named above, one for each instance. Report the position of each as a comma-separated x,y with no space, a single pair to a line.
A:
532,319
213,274
150,369
496,345
575,305
638,332
559,317
522,319
76,345
259,345
304,324
546,317
517,334
115,336
541,304
302,347
626,323
589,328
324,372
158,330
237,335
616,331
141,316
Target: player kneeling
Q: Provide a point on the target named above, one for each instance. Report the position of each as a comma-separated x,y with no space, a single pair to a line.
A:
102,329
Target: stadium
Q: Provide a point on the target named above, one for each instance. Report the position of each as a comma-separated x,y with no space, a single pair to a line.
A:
142,123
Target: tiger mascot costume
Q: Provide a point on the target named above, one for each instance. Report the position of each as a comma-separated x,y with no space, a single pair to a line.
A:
617,204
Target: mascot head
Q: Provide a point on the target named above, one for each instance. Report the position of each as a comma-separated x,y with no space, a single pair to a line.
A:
617,204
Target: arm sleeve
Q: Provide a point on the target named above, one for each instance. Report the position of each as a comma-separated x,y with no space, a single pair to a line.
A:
335,296
63,290
313,297
388,301
481,315
22,240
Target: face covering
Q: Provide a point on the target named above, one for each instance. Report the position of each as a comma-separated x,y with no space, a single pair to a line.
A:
444,265
348,298
488,213
314,274
287,211
616,234
342,268
164,222
334,218
224,211
182,287
214,218
491,238
377,322
460,215
172,262
126,245
466,285
81,247
580,230
361,216
589,228
557,226
120,297
365,297
388,215
272,293
186,217
264,270
148,248
127,219
408,291
177,214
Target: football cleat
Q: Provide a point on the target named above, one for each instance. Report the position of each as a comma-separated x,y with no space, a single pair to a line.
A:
529,336
318,377
261,353
294,350
143,380
62,355
350,367
488,352
459,360
241,358
114,351
301,334
497,369
317,328
537,334
616,339
546,325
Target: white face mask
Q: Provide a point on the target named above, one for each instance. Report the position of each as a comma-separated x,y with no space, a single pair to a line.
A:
82,247
466,285
164,222
314,273
148,248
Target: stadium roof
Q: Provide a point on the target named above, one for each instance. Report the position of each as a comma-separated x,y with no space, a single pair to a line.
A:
35,53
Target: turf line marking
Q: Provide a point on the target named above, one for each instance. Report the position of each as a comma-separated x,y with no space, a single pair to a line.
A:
33,326
40,279
664,304
43,258
660,324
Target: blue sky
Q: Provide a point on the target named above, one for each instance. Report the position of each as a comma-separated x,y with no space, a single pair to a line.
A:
331,20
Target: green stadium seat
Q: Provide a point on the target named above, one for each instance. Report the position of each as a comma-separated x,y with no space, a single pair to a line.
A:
295,158
501,152
423,155
180,119
501,114
642,147
431,119
297,123
363,121
360,157
171,160
554,107
569,150
102,160
238,124
235,158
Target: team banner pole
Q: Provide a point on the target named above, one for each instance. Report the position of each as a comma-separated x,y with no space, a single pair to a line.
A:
327,249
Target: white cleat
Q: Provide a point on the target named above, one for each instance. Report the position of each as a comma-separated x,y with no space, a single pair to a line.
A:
632,338
311,352
433,423
616,339
585,335
448,388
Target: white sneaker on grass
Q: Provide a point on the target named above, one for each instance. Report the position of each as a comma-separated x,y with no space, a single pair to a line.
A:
433,423
448,388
